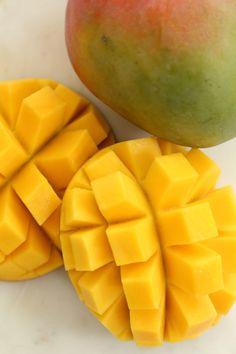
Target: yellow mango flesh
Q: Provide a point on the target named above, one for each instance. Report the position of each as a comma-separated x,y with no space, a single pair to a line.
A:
148,241
45,136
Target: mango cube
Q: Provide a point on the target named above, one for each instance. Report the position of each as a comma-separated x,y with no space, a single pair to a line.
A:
175,176
192,314
143,284
14,221
105,163
224,299
12,94
207,170
42,114
138,155
127,200
36,193
225,217
101,288
35,251
59,165
39,155
75,104
186,225
116,318
80,209
194,268
148,325
12,155
226,248
92,121
132,241
90,248
74,277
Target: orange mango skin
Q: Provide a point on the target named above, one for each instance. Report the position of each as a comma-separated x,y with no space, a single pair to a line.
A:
167,66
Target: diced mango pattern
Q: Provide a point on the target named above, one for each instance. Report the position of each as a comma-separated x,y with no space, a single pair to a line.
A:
47,131
148,241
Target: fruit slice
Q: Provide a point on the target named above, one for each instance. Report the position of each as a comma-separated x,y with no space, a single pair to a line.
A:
47,132
170,253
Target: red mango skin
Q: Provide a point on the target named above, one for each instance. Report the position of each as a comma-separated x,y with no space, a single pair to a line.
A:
167,66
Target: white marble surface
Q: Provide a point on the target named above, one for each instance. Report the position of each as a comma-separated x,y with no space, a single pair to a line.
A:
44,315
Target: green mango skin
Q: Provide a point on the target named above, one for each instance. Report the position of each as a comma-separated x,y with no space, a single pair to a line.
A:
167,66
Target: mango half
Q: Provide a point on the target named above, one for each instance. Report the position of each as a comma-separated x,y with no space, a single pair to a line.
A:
166,66
149,242
47,132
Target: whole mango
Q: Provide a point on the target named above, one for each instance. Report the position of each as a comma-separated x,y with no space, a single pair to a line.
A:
167,66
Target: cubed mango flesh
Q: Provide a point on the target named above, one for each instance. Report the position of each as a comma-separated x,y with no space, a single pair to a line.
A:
47,131
146,246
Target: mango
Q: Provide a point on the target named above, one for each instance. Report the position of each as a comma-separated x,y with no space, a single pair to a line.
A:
149,241
166,66
47,131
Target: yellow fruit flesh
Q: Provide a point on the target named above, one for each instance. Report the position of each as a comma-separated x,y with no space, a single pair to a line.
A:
44,138
162,230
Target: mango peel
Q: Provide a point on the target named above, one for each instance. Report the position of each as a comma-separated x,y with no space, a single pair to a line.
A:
149,241
47,131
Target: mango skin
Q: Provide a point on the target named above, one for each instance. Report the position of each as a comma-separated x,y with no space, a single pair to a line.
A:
169,67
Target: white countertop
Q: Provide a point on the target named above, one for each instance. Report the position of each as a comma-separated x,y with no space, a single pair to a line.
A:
44,315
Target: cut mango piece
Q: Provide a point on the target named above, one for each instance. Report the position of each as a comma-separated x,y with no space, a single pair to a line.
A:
223,206
144,284
175,176
101,288
186,225
106,162
224,299
148,325
127,335
92,121
36,193
59,165
127,201
192,314
226,248
116,318
133,241
75,104
68,256
11,271
207,170
138,155
54,262
74,276
12,94
35,251
90,248
12,155
38,158
52,227
80,209
170,260
42,114
194,268
14,221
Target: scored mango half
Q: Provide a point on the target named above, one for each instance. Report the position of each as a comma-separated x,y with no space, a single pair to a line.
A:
47,131
148,241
